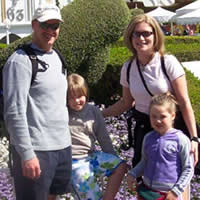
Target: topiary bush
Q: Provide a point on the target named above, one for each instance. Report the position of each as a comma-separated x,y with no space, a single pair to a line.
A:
136,11
89,28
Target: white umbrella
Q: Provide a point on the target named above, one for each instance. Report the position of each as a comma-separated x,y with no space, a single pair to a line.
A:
189,18
161,15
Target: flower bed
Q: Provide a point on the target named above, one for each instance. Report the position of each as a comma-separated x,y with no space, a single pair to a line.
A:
117,129
6,183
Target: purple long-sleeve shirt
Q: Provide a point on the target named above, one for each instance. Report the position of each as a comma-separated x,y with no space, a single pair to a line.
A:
166,162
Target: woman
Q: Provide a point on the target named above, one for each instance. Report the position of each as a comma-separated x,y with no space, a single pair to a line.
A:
145,40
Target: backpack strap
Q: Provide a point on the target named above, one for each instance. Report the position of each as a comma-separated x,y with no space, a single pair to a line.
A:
64,65
33,58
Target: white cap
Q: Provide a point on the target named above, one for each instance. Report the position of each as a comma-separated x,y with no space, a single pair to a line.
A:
47,12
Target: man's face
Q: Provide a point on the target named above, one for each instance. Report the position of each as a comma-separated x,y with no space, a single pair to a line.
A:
46,33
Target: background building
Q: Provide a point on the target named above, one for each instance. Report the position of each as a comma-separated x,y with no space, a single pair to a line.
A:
16,15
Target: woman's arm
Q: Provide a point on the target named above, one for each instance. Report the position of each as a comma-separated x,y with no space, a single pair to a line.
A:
181,92
124,104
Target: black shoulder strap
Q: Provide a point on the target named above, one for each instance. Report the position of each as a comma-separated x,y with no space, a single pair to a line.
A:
163,67
34,60
141,76
128,71
32,56
64,65
164,71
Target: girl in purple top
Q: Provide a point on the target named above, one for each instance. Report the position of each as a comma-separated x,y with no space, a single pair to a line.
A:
166,164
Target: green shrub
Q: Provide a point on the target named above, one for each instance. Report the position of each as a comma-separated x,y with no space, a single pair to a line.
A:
108,88
136,11
6,52
194,93
182,39
89,27
3,46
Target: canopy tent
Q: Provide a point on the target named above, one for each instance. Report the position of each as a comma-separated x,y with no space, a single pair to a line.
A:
188,8
161,15
189,18
151,3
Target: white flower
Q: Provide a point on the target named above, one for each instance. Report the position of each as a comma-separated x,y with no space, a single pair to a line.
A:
4,153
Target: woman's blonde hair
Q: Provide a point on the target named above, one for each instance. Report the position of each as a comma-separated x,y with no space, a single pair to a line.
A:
157,31
77,85
164,99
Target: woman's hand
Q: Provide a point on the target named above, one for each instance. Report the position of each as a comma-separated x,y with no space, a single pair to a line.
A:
194,150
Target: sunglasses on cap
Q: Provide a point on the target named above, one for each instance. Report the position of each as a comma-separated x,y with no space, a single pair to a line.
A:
144,34
46,26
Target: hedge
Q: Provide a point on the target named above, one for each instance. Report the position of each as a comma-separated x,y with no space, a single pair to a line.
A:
89,28
178,40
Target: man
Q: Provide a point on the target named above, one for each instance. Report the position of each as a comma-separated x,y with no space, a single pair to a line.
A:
36,115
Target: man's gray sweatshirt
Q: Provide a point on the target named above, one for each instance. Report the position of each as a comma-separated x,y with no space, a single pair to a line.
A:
36,115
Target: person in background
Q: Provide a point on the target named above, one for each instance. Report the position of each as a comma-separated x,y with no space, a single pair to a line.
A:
145,39
36,115
87,127
166,165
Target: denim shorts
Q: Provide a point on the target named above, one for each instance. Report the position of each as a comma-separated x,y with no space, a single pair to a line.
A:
56,167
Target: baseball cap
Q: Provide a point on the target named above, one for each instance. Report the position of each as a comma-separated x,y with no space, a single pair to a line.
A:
47,12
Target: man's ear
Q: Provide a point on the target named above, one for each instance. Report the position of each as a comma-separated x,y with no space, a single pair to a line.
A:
33,22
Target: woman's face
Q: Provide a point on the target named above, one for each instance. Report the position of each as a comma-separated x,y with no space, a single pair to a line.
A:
143,39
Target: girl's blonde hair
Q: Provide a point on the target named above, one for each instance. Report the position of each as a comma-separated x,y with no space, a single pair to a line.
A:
164,99
157,31
77,85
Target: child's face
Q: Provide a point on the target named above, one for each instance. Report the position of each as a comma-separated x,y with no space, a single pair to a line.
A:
76,101
161,119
